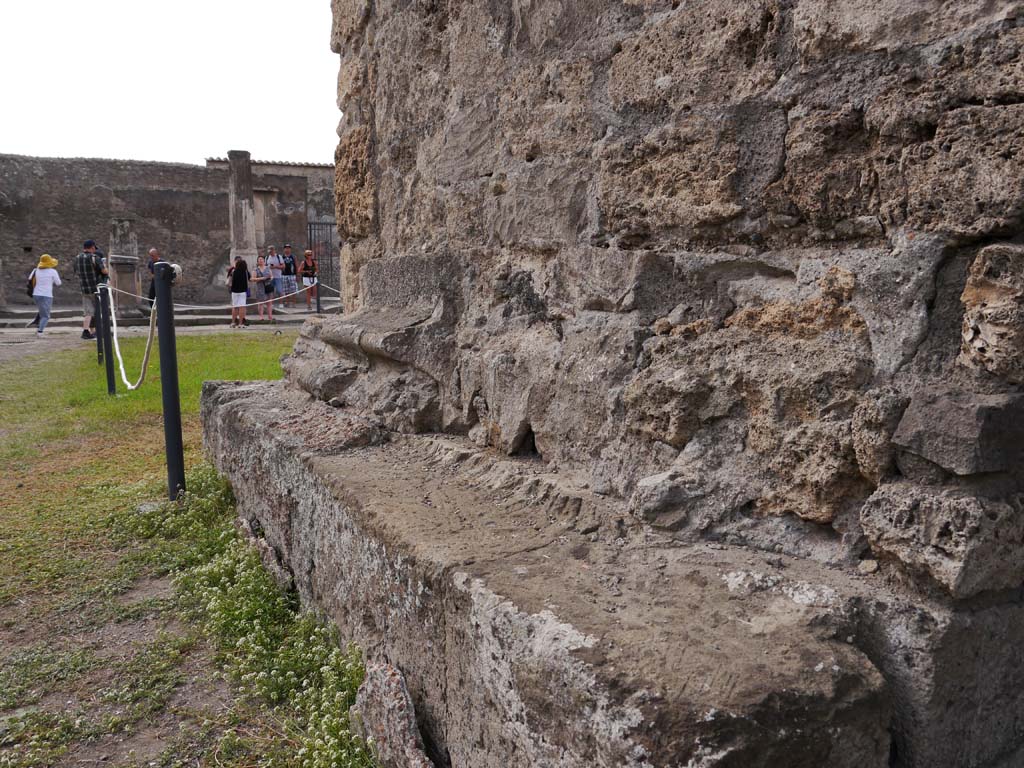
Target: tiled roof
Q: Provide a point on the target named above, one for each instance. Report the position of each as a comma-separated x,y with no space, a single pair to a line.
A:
274,162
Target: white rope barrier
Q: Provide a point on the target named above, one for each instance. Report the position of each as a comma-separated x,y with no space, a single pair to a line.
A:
117,346
220,306
152,325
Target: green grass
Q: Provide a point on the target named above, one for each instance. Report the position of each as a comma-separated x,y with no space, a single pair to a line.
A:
74,543
26,674
149,678
71,452
288,658
71,389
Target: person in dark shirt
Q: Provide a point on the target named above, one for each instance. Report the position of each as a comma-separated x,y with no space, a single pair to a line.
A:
91,268
288,282
238,282
308,270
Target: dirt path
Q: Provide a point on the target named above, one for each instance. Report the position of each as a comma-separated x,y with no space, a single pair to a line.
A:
21,345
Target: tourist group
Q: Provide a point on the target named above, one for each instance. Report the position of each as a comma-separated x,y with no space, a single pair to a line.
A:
275,275
90,267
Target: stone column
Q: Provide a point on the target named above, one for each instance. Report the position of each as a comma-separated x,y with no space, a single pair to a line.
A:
123,264
124,240
124,275
242,211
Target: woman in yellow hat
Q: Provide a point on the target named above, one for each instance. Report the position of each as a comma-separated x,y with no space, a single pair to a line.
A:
43,279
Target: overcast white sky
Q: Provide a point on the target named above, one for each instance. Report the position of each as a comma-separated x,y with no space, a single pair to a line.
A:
180,80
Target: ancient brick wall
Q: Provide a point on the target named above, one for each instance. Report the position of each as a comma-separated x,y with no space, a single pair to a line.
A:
319,185
51,205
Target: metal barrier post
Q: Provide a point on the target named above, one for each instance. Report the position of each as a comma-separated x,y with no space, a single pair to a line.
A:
163,276
96,320
316,283
103,326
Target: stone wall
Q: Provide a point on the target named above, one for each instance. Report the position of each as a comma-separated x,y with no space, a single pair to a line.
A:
319,185
51,205
702,254
750,270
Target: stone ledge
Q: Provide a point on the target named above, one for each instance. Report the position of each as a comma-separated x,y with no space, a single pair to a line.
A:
540,624
613,647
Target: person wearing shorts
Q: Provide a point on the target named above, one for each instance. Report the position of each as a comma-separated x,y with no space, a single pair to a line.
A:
276,264
288,283
308,271
264,280
238,282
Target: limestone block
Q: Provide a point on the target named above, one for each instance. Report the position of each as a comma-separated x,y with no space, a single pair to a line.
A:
830,27
350,17
965,432
354,184
966,181
891,292
874,422
698,53
700,172
504,610
966,543
695,258
993,325
385,717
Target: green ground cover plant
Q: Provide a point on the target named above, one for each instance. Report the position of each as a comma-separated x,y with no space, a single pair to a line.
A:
148,636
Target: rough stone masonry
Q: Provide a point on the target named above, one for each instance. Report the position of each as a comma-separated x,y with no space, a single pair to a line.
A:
677,417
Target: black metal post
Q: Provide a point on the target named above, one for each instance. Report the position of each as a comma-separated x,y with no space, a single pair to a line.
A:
163,276
96,320
316,283
103,327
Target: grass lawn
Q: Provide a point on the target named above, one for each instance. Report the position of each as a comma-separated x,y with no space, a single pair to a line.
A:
69,450
154,637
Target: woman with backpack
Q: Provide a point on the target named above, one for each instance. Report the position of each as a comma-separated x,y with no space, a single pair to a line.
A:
42,282
264,277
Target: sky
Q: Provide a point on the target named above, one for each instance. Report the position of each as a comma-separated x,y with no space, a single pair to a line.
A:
179,80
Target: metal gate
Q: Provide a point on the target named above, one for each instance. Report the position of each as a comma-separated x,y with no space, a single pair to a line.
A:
322,240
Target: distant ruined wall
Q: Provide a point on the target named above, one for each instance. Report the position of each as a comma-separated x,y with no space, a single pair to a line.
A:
51,205
319,187
319,181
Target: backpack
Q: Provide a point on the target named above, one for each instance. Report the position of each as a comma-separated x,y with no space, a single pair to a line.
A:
31,284
97,266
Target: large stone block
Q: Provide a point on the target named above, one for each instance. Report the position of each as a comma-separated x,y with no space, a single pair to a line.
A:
691,261
966,543
526,641
993,326
967,433
535,625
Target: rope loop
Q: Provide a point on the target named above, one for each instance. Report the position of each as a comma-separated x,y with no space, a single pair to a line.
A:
152,326
117,346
